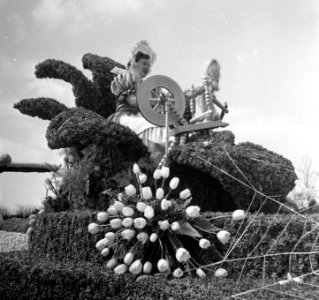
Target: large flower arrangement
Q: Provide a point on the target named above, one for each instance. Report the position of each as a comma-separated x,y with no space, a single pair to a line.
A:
146,233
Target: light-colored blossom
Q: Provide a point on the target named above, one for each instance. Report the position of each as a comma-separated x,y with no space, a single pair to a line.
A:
93,228
112,263
110,235
116,223
105,251
147,193
157,174
153,237
178,273
118,205
120,269
142,177
164,225
142,237
128,234
223,236
32,221
30,230
238,215
140,206
128,258
182,255
175,226
192,211
162,265
221,273
184,194
130,190
204,243
41,211
200,273
140,223
102,216
136,169
147,268
112,210
101,244
165,172
136,267
165,204
120,197
159,194
127,222
173,184
149,212
127,211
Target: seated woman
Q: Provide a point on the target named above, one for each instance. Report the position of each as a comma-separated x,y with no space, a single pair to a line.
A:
125,86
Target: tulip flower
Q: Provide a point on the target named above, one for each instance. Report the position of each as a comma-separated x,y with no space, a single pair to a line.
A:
175,226
238,215
142,178
182,255
164,225
221,273
192,211
173,184
184,194
112,263
142,237
157,174
110,235
130,190
165,172
178,273
147,193
136,169
223,236
101,244
120,269
93,228
118,205
159,194
128,258
204,244
140,223
153,237
200,273
147,268
102,216
136,267
105,251
127,222
162,265
128,234
112,210
149,212
116,223
165,204
127,211
140,206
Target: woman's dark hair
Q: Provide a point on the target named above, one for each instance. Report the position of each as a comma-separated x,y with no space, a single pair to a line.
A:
138,56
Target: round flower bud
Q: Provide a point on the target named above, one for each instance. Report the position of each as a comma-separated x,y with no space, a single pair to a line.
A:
153,237
102,216
127,222
192,211
178,273
130,190
112,210
165,172
184,194
159,194
200,273
149,212
128,258
238,215
142,177
112,263
204,244
221,273
142,237
93,228
136,267
116,223
128,211
110,235
162,265
164,225
173,184
157,174
128,234
120,269
140,206
101,244
140,223
175,226
118,205
105,251
147,268
223,236
147,193
136,169
182,255
165,204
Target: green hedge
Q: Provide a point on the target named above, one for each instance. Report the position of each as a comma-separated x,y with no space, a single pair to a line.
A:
64,236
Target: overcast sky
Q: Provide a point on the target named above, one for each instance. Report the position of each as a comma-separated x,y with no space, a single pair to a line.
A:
268,51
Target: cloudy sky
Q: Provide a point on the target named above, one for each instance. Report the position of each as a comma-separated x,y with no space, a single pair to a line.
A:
268,50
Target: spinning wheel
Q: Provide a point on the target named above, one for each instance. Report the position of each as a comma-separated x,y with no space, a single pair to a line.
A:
154,94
